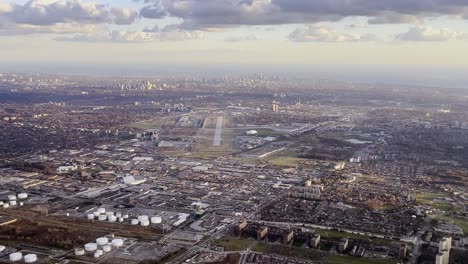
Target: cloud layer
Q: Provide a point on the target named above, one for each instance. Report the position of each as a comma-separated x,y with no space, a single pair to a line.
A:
226,13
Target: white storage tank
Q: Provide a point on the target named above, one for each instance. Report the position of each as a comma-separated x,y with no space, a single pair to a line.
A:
90,247
6,205
142,217
17,256
145,222
112,219
1,203
110,213
30,258
90,216
21,203
106,248
79,252
2,248
97,255
11,197
99,252
156,220
101,210
22,196
118,214
117,242
121,219
102,241
96,213
126,216
13,203
135,221
102,217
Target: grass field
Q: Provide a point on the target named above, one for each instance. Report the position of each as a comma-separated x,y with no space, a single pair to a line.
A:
352,260
337,235
151,123
292,252
430,199
231,243
462,223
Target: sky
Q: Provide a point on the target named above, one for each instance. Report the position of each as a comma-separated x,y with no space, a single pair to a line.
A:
144,33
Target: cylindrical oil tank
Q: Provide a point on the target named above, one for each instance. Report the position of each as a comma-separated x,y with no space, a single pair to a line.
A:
135,221
30,258
102,217
90,216
117,242
106,248
22,196
142,217
145,222
17,256
102,241
90,247
13,203
156,220
79,251
11,197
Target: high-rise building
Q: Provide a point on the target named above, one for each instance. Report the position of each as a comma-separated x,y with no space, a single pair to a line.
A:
275,107
444,251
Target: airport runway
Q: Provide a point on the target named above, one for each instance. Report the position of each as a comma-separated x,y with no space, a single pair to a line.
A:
217,136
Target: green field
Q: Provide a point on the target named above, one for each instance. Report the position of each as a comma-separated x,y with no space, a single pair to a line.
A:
337,235
462,223
231,243
292,252
150,124
352,260
429,199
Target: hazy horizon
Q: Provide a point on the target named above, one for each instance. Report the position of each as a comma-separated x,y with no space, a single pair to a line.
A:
418,75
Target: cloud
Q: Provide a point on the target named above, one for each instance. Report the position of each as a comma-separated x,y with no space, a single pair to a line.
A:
202,14
252,37
123,16
430,34
59,28
318,33
168,33
49,12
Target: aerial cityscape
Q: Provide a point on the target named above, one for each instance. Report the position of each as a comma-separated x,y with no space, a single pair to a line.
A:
233,131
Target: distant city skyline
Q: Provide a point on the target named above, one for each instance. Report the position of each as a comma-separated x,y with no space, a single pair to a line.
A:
250,32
